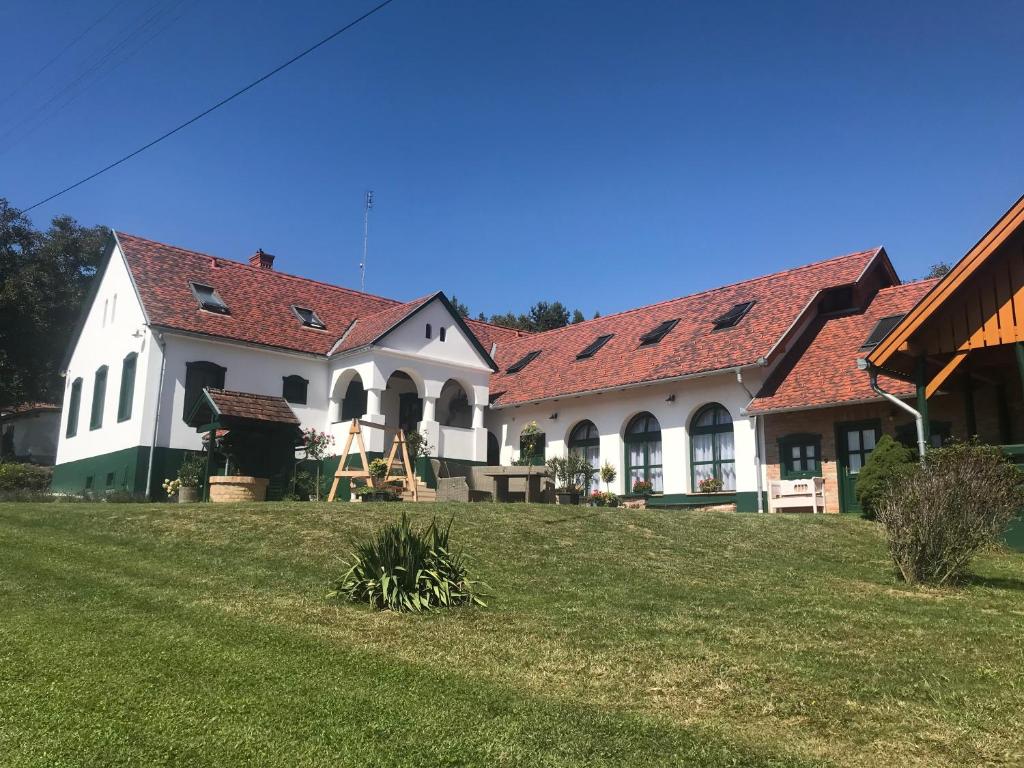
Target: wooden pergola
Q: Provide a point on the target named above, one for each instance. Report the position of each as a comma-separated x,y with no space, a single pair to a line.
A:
969,331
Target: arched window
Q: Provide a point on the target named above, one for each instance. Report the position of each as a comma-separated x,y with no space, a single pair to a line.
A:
712,447
430,331
643,451
532,446
585,441
442,334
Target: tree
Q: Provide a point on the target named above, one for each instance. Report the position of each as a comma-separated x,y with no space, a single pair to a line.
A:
461,308
543,316
44,277
941,269
577,317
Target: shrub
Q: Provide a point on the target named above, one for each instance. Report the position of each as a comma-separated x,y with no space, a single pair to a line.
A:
402,568
24,477
192,471
889,461
608,475
939,514
378,469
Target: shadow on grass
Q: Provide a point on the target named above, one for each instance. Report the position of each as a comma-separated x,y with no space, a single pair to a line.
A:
993,582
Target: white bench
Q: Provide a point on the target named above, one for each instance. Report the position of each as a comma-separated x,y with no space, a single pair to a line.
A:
789,494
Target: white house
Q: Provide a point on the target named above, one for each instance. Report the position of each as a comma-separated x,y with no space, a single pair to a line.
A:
659,392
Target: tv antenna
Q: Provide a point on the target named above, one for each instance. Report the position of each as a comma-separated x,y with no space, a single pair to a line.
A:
368,204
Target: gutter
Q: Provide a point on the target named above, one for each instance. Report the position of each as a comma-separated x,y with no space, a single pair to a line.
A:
159,399
758,424
918,419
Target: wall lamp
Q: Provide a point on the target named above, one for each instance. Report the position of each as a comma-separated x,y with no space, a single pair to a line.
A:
553,416
670,399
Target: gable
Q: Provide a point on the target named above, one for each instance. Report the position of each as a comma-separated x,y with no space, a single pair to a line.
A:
460,346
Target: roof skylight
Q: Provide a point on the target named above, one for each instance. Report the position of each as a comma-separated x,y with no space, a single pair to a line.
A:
881,330
524,361
733,316
209,299
309,318
657,333
594,346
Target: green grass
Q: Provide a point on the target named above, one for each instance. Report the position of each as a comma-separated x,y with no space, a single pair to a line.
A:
199,635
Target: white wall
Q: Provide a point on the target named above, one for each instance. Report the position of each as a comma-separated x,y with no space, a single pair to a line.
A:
410,338
611,411
249,369
107,337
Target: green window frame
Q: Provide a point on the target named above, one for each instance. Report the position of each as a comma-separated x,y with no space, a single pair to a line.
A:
799,456
939,433
294,389
99,396
126,396
712,447
644,456
199,375
74,406
585,441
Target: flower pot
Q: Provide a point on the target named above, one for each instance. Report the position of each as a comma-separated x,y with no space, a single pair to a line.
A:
567,497
188,495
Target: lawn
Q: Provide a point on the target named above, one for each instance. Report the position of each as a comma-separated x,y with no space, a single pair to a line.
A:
199,635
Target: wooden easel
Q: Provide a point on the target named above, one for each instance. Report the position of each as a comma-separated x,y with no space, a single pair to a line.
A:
355,431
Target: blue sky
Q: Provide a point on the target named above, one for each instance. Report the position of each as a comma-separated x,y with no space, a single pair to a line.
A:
604,154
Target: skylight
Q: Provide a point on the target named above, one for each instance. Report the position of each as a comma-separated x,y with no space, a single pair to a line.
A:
656,334
309,318
595,345
881,330
733,316
524,361
209,299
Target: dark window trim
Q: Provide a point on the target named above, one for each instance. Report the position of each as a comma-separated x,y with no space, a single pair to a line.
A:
442,333
314,320
575,442
802,439
716,461
429,330
522,362
732,318
658,332
126,393
99,397
594,347
645,439
221,309
875,337
294,380
74,407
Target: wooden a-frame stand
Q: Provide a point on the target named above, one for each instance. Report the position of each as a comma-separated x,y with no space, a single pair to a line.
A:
355,431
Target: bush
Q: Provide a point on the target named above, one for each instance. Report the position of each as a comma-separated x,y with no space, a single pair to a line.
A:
192,471
889,461
401,568
939,514
24,477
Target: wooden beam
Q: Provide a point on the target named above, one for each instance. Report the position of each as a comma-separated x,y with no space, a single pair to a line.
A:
940,378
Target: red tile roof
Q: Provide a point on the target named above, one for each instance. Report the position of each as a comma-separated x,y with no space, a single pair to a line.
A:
691,347
491,334
823,370
366,330
245,405
260,300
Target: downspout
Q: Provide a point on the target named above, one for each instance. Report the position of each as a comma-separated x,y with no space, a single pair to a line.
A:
918,419
757,444
156,418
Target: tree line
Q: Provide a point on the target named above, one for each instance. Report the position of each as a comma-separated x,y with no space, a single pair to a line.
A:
542,316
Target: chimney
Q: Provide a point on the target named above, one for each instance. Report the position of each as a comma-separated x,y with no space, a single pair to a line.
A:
262,260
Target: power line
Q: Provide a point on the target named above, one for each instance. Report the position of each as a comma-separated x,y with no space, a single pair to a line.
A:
216,106
61,52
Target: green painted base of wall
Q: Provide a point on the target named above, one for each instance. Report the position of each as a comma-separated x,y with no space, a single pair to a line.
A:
123,470
1014,537
745,501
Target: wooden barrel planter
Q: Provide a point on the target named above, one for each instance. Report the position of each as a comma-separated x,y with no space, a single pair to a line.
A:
188,494
238,488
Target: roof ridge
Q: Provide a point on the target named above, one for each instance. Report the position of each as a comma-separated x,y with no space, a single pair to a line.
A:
873,252
278,273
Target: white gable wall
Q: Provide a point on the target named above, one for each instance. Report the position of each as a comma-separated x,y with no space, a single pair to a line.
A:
106,338
410,338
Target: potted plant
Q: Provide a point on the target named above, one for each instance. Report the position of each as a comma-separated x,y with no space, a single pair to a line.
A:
608,475
585,473
710,485
642,488
190,477
597,499
565,470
